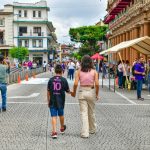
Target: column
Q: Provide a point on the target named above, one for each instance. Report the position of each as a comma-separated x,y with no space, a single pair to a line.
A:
135,36
146,29
124,50
142,31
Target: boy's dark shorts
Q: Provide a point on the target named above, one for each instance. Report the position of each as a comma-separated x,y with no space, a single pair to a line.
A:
56,111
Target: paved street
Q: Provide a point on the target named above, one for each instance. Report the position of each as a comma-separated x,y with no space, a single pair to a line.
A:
123,123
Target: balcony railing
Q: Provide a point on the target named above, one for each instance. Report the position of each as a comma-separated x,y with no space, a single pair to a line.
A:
126,15
31,34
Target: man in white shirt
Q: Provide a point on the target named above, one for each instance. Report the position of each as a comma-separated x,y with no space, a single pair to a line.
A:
44,66
71,68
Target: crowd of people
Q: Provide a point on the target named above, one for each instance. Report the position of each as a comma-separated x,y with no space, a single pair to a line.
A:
134,75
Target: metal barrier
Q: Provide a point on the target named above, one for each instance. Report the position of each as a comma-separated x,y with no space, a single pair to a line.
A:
13,77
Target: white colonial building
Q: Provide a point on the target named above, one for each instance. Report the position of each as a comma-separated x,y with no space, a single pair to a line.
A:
6,29
30,28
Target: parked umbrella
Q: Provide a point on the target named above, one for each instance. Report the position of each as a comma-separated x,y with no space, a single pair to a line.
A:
97,56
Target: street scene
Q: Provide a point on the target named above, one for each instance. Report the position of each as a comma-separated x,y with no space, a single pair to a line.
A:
122,121
75,75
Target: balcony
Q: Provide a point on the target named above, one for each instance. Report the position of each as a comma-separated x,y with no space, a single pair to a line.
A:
130,12
117,7
31,34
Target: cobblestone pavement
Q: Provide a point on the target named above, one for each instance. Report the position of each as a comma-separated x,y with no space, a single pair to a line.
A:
121,124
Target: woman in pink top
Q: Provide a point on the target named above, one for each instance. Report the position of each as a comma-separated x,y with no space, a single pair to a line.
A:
88,94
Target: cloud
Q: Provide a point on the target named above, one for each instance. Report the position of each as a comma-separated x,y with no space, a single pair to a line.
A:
71,13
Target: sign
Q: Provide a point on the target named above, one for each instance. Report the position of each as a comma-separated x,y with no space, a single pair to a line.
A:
51,56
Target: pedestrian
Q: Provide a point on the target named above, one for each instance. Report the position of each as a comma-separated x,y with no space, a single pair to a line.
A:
88,94
104,70
57,86
3,81
71,68
44,66
120,74
30,65
139,72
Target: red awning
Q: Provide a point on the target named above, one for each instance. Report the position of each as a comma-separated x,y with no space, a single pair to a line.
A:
116,8
119,6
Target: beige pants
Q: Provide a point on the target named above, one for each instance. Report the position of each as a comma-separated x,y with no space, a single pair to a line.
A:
87,98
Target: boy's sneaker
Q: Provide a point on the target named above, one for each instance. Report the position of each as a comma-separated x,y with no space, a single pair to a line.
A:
62,130
54,135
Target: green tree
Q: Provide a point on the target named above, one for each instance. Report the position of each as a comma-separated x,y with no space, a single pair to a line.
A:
88,36
19,52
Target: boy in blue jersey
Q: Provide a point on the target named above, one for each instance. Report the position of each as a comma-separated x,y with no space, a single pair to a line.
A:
57,86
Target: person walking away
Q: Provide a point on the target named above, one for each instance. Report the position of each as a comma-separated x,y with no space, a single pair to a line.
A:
57,86
71,68
44,66
30,65
120,74
3,81
88,94
63,67
139,71
104,70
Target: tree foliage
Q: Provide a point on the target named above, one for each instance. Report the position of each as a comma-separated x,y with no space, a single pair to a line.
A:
19,52
88,36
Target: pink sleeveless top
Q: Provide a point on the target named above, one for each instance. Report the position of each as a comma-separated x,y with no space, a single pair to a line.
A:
87,78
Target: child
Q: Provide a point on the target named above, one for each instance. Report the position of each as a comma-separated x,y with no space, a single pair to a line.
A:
57,86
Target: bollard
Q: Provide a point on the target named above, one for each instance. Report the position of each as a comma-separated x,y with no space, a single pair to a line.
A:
26,77
19,79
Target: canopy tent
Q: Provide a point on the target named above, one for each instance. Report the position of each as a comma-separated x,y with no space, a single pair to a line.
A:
141,44
97,56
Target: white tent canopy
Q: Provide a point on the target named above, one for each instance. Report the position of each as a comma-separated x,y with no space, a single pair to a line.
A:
140,44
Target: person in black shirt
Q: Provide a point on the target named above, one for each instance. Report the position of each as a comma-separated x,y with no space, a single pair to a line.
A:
57,86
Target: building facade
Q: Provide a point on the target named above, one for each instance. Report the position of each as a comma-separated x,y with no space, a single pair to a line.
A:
6,29
33,30
127,20
27,25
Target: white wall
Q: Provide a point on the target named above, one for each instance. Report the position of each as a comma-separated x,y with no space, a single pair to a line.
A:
44,15
9,30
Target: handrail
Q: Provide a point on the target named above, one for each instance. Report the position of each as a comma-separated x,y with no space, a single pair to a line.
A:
13,77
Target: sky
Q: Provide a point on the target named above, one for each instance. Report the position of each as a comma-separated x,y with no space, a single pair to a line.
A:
66,14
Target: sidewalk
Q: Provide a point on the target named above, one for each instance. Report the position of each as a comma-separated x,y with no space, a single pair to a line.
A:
26,124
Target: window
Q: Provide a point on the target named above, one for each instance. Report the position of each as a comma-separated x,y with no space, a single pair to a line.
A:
20,43
22,30
37,43
40,43
34,13
25,13
19,13
26,43
39,14
37,30
2,22
34,43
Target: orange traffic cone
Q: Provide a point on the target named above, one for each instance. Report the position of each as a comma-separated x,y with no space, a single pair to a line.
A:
33,75
27,78
19,79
